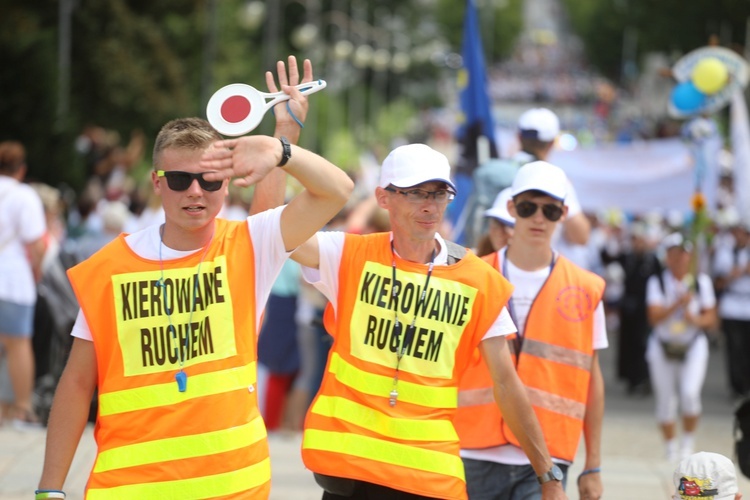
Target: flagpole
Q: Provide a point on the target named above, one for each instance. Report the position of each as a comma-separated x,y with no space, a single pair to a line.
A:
475,119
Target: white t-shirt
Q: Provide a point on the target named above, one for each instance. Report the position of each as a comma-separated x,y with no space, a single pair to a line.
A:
526,287
675,328
326,278
268,247
22,221
735,301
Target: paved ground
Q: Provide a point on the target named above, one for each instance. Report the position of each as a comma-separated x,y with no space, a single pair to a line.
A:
632,450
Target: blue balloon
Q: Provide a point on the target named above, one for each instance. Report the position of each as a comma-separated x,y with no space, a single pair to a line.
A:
687,98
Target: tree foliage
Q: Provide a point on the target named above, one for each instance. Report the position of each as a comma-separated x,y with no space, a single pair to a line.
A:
135,64
668,26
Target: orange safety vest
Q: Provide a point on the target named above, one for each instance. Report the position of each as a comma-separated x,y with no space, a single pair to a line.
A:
351,430
153,441
554,363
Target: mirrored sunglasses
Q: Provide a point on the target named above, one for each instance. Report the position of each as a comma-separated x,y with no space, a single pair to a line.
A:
180,181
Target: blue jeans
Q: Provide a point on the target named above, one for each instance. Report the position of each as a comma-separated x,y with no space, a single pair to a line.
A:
493,481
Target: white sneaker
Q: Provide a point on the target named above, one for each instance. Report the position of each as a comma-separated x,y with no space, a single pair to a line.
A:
672,454
28,423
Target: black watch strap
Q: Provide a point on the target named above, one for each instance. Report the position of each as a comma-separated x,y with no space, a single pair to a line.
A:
286,151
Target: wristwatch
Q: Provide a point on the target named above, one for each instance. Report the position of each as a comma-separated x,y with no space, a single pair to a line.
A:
286,151
554,474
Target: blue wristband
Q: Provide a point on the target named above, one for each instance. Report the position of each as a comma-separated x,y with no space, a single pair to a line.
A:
595,470
291,113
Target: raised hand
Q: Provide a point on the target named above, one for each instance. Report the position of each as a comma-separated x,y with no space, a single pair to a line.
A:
288,76
248,158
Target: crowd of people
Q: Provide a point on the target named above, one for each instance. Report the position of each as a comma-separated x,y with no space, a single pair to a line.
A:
415,367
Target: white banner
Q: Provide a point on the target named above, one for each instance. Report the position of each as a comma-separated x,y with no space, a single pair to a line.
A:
740,133
637,177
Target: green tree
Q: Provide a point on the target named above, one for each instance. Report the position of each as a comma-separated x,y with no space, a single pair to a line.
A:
668,26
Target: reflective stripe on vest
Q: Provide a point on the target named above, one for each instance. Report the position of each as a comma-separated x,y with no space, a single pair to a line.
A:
557,404
388,452
379,422
176,448
379,385
558,354
229,483
537,397
153,396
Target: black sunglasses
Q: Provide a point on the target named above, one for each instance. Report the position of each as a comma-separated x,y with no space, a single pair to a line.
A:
526,209
180,181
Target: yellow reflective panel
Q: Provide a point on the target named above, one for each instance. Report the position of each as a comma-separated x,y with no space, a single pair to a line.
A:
397,454
153,396
441,320
228,483
175,317
374,420
197,445
379,385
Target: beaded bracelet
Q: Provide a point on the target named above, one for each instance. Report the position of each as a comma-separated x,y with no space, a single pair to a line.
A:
45,494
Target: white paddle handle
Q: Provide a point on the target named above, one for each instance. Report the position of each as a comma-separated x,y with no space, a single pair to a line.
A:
306,89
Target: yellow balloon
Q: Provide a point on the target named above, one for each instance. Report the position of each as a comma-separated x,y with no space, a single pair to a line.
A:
710,75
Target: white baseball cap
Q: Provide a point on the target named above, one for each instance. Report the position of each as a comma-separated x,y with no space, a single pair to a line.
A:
540,176
705,474
674,240
539,123
413,164
499,209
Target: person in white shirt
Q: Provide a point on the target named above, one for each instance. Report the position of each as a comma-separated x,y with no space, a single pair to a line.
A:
22,230
731,269
680,306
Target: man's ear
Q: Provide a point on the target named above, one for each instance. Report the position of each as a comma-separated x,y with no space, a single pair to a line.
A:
156,181
381,195
511,206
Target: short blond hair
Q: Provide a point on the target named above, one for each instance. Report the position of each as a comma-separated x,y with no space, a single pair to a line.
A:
184,133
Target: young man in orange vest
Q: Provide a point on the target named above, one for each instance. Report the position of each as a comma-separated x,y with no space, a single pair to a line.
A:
170,315
408,311
557,308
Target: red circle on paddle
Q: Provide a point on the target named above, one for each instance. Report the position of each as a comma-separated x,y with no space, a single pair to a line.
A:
235,109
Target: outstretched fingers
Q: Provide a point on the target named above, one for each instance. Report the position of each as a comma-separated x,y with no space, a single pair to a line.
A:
293,71
307,71
218,159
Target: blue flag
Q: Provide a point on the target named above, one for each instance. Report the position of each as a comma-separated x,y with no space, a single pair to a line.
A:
476,116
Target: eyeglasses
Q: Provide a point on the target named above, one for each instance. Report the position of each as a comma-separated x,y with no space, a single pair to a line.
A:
526,209
180,181
420,195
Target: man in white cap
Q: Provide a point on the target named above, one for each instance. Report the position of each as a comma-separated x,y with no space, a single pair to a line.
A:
408,312
558,310
537,130
706,475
